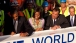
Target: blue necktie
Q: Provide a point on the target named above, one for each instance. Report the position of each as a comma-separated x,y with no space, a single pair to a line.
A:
72,21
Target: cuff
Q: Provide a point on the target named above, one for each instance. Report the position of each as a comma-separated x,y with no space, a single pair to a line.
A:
49,28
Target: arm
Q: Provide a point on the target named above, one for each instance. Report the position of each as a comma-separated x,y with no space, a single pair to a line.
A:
43,23
30,22
47,24
65,23
28,27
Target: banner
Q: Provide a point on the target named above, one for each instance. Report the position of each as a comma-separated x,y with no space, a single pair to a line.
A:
64,35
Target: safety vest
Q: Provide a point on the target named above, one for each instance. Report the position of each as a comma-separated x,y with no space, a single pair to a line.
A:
50,12
66,13
39,2
26,13
1,17
58,1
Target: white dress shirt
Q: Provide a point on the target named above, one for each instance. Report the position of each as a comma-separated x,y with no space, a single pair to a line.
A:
54,21
15,25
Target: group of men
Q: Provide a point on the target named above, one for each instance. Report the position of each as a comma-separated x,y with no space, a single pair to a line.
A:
56,20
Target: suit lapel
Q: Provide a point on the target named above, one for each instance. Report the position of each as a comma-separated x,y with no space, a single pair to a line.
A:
57,21
13,25
18,26
51,21
69,20
74,20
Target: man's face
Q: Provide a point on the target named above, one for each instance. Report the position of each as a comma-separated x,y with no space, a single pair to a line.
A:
55,14
46,9
63,4
72,11
15,16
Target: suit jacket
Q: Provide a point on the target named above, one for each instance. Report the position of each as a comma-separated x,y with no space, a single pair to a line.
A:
61,20
68,18
23,26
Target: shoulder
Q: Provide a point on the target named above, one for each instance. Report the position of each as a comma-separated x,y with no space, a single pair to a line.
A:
75,15
60,15
49,16
68,17
30,19
22,18
42,20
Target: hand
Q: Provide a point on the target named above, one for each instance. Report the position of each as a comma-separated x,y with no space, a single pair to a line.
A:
58,26
54,28
13,33
24,34
39,29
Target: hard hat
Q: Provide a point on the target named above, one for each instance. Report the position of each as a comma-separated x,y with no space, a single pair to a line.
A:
14,3
45,4
62,1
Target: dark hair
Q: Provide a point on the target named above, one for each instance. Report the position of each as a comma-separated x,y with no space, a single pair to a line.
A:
12,12
56,9
38,10
71,7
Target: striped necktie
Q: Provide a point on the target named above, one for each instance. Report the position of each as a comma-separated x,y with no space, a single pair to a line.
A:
54,22
15,25
72,21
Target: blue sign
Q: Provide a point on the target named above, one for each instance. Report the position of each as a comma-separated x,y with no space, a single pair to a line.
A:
56,39
21,41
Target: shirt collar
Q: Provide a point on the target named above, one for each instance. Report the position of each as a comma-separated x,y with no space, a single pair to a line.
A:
71,17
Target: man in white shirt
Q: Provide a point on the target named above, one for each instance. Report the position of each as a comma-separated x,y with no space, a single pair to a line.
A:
72,17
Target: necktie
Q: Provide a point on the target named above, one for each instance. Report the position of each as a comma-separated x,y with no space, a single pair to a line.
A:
15,25
54,21
72,21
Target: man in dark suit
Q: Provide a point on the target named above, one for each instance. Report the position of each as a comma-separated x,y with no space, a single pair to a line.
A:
56,20
72,17
17,24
